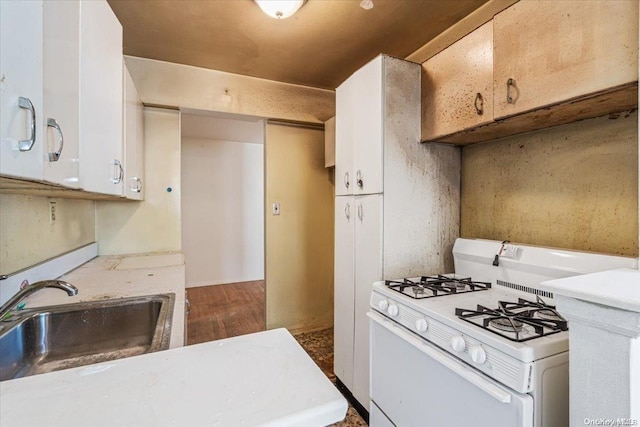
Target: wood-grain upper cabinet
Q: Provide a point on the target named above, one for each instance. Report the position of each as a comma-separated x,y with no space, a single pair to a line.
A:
457,84
101,104
548,52
133,140
21,127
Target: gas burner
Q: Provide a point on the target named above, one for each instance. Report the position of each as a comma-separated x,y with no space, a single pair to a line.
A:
547,314
436,286
521,321
507,324
417,290
538,309
455,284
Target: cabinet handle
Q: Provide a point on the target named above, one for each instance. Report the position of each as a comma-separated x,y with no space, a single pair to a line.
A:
360,212
187,306
359,179
120,172
479,104
347,211
136,184
511,83
346,179
27,144
55,156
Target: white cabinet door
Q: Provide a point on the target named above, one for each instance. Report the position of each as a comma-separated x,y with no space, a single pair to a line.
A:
133,140
345,218
367,128
101,149
344,138
21,127
61,91
368,269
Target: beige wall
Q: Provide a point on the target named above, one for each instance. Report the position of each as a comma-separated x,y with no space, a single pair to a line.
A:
164,83
152,225
299,241
27,237
572,186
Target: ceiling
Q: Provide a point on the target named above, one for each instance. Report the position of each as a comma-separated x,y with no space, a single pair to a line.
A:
320,46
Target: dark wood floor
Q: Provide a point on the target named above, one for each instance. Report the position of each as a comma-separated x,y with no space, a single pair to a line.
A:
224,311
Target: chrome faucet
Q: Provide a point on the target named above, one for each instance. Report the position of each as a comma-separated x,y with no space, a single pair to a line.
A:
29,289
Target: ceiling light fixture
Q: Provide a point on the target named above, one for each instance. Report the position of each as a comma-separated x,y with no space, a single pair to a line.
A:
280,9
366,4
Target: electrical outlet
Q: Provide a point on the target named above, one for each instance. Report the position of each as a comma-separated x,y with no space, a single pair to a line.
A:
276,209
52,212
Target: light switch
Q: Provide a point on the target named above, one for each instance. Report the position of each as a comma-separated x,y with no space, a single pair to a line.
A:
276,209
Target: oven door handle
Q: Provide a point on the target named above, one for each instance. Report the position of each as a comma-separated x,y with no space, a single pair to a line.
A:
466,373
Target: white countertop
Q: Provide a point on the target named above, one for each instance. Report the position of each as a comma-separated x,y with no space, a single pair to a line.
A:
614,288
263,379
121,276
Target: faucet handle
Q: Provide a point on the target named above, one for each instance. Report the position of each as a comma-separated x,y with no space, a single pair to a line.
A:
24,284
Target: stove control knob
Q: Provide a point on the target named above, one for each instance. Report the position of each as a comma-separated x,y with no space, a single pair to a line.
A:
421,325
457,344
383,304
393,310
478,355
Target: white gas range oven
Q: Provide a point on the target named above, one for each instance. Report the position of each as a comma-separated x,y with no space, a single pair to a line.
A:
483,347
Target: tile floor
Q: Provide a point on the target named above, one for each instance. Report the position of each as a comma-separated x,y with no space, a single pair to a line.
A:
319,345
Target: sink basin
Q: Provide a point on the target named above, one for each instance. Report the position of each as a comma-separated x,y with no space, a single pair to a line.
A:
47,339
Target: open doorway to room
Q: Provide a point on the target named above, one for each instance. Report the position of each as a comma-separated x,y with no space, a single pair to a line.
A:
222,158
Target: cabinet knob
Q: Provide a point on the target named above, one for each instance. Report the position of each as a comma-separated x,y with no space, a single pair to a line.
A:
135,184
55,155
119,171
479,104
511,86
27,144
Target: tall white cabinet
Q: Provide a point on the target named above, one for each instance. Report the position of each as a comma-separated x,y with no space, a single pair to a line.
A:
397,202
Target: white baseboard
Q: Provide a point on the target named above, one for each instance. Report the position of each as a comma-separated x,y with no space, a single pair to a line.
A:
50,269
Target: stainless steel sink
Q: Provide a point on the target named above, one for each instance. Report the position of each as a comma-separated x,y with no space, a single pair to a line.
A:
47,339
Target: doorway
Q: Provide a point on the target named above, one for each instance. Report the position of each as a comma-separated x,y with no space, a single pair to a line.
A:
222,157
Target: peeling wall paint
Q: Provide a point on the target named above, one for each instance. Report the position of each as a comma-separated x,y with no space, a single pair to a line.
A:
573,186
27,237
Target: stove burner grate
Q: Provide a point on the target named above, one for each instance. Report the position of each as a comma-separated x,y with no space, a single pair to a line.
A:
521,321
435,286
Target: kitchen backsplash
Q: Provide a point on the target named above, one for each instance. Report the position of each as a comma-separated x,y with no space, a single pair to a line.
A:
27,235
572,186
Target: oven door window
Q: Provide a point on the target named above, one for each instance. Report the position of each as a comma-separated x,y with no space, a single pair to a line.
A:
416,384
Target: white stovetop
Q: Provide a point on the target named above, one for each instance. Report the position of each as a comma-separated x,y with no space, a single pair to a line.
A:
263,379
614,288
443,309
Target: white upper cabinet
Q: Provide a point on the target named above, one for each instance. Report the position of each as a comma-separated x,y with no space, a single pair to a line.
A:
133,140
101,104
359,130
61,92
458,85
21,118
548,52
344,139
